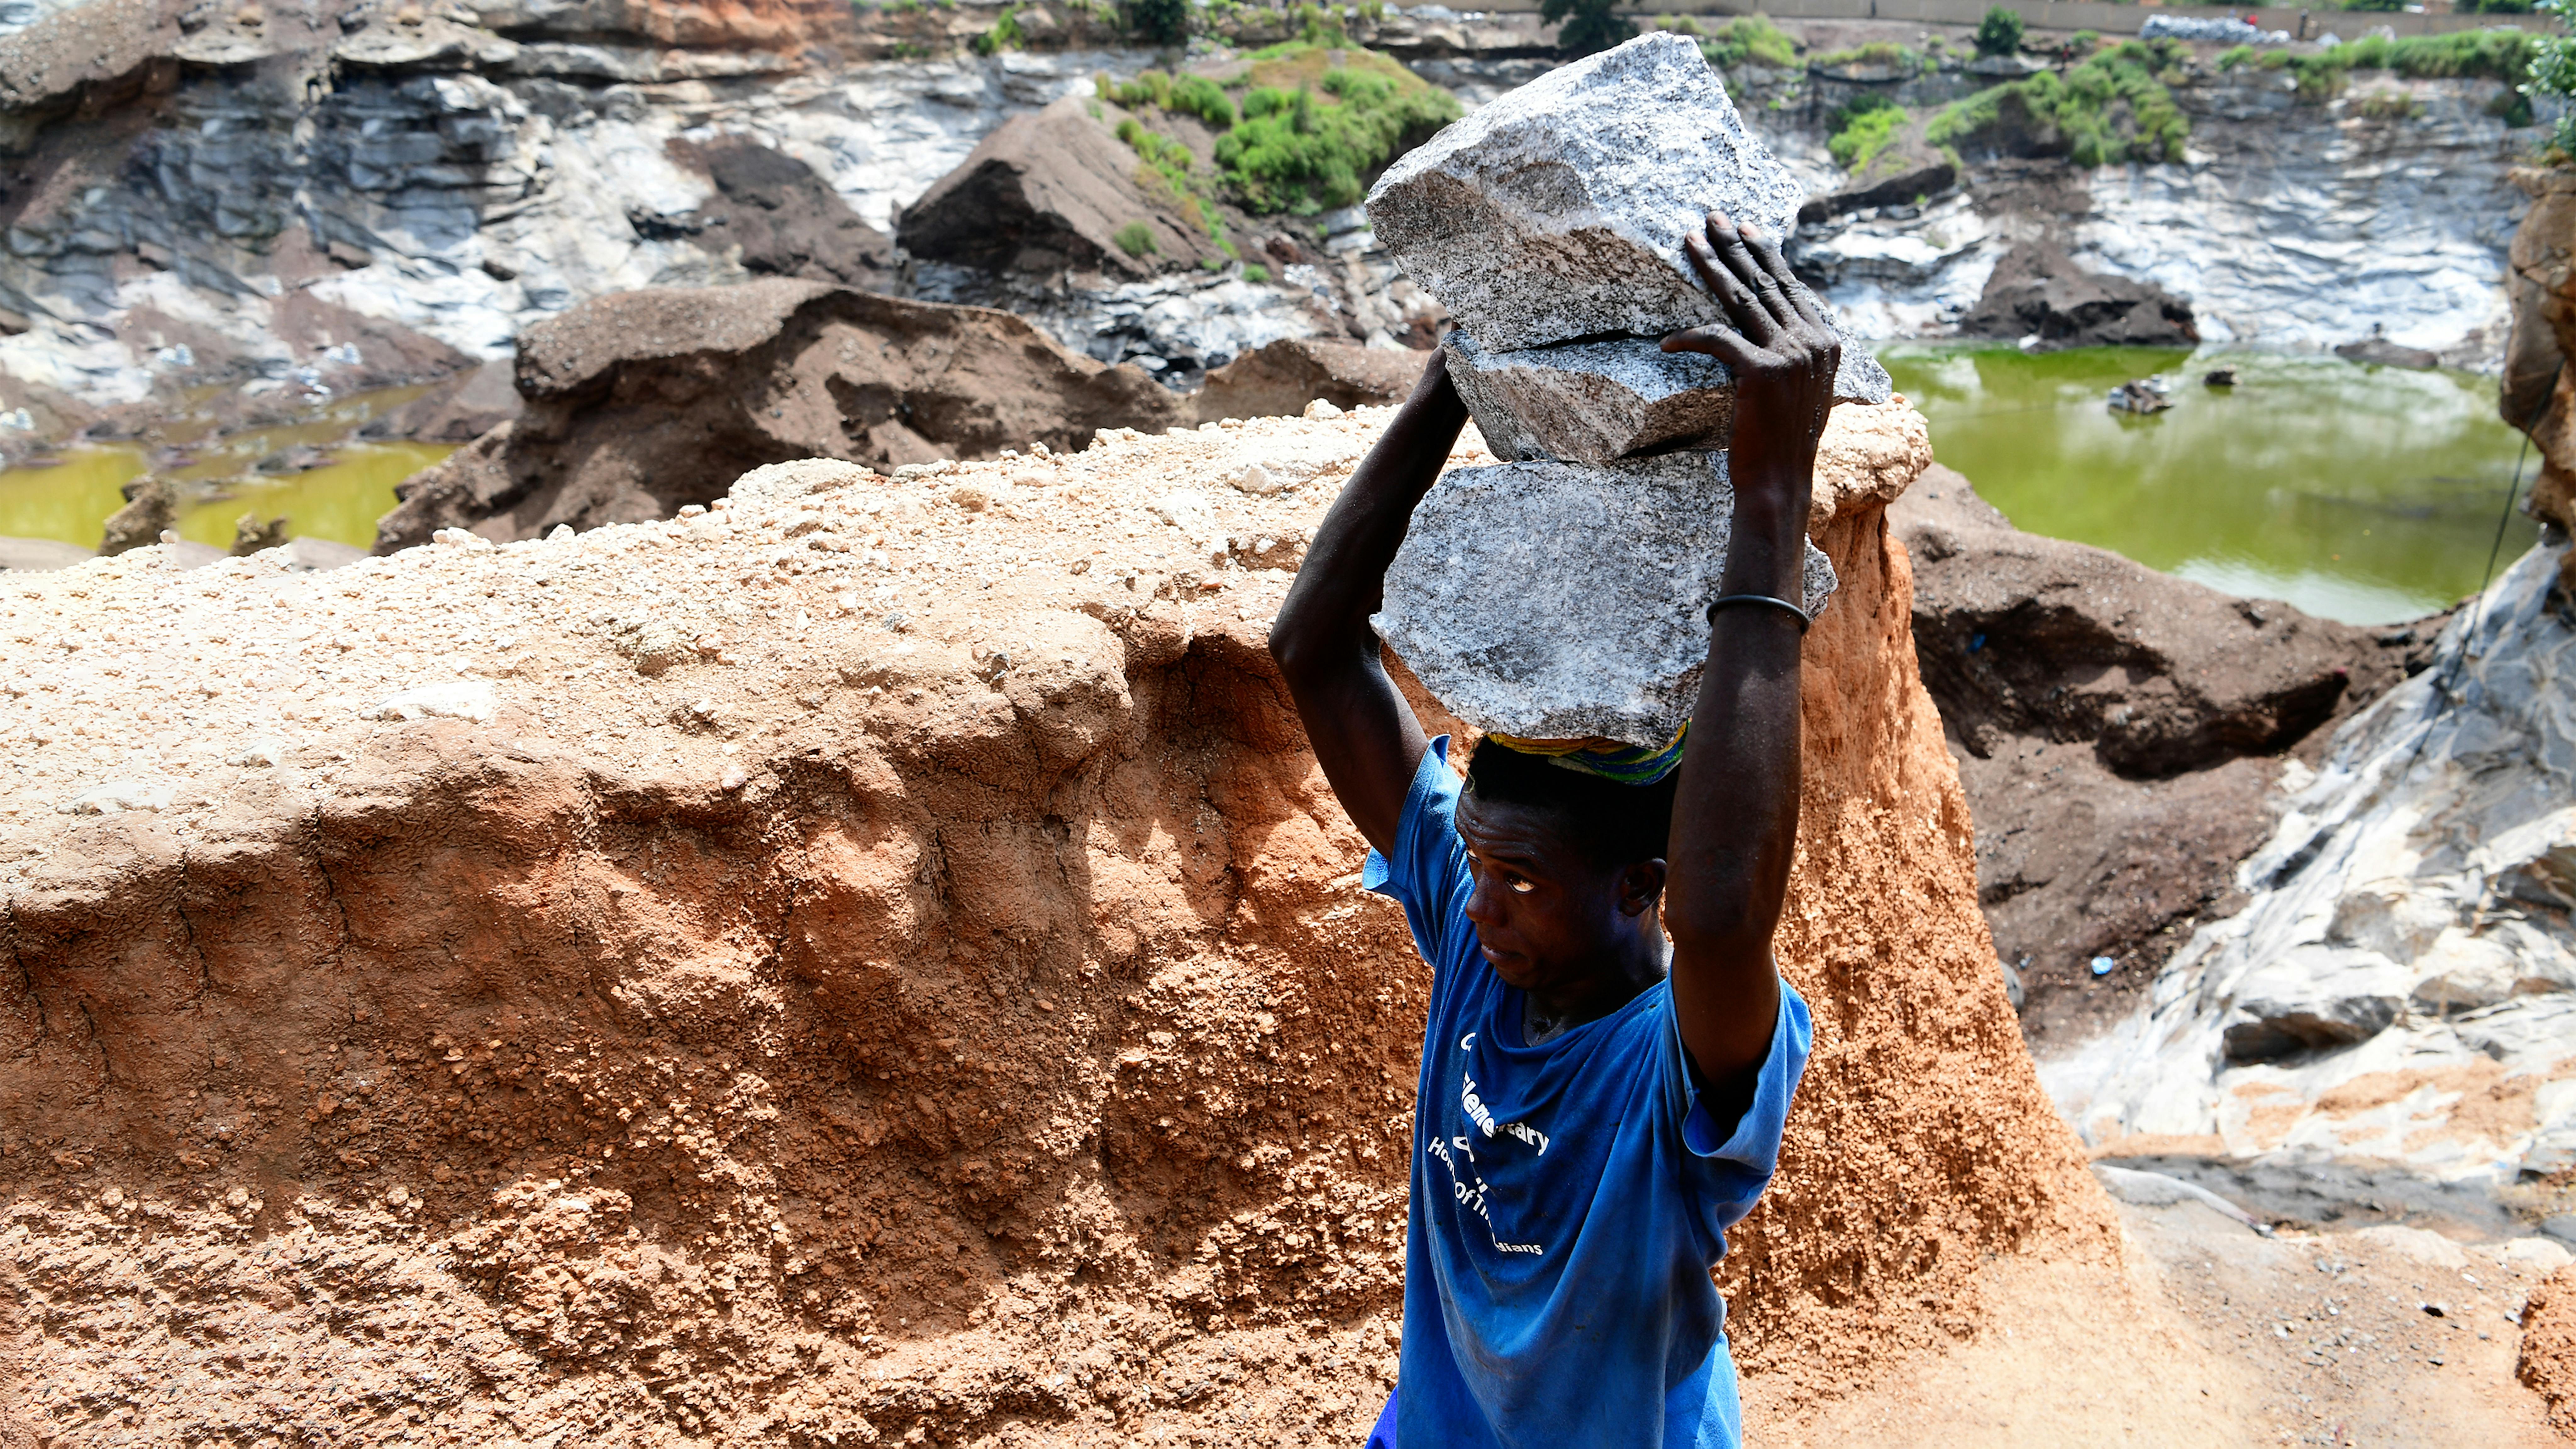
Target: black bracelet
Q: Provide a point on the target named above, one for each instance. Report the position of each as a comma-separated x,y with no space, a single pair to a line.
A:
1804,618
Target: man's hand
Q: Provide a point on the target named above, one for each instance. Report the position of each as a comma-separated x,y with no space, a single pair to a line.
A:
1782,351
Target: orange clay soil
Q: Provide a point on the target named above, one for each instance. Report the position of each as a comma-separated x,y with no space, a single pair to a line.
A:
876,963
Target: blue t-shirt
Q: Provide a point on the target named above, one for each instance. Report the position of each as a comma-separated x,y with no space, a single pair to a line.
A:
1569,1198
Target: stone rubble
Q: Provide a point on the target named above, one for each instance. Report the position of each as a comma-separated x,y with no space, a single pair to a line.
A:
2402,987
1550,223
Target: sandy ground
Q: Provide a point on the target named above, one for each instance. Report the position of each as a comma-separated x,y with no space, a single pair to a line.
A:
2217,1336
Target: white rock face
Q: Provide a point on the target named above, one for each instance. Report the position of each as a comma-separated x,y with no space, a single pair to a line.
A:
1563,601
2406,971
1558,211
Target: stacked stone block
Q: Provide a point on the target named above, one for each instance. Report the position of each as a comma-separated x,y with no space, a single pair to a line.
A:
1559,595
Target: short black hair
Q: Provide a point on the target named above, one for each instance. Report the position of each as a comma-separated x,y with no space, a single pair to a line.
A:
1614,825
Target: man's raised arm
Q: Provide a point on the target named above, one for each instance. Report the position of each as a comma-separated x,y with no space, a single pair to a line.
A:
1735,811
1362,730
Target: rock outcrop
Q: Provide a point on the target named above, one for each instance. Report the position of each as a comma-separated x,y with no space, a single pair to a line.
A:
691,978
2037,291
637,405
2401,986
1052,193
2120,733
777,218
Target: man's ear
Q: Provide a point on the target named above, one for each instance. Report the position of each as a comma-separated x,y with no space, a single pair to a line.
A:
1640,886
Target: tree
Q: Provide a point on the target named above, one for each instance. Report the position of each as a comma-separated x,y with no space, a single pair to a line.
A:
1161,22
2000,32
1588,25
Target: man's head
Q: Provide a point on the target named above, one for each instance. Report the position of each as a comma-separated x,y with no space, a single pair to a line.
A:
1568,866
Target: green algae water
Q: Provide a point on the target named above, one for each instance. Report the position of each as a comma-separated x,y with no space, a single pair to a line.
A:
2365,494
340,500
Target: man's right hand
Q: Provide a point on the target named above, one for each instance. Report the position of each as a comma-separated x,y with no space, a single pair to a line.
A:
1782,351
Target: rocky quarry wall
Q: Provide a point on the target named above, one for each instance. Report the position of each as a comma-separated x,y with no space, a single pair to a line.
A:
873,960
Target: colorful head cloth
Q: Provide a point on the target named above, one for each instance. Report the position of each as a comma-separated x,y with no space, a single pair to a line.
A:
1612,760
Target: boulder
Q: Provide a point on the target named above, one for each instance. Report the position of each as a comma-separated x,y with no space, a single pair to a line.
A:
2314,996
1562,601
1278,379
2377,351
150,510
1558,210
2038,291
780,218
641,402
1592,402
1050,193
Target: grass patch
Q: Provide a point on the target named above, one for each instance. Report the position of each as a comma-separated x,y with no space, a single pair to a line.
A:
1255,272
1862,129
1750,38
2110,108
2504,55
1305,136
1136,239
1876,53
1190,95
1170,169
1312,131
2234,56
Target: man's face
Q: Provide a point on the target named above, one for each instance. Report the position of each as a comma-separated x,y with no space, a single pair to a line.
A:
1546,916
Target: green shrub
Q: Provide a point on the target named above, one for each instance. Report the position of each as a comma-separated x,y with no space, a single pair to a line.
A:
1305,149
1876,52
1136,239
2388,106
2381,5
1004,34
2553,73
2106,110
2234,56
1255,272
1588,25
2081,44
2493,7
1159,22
1679,25
1190,95
2000,32
1862,129
1753,38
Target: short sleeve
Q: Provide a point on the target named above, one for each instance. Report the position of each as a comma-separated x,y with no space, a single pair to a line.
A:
1729,1175
1428,871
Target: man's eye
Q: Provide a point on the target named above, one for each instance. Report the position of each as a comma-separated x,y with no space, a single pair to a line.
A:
1518,885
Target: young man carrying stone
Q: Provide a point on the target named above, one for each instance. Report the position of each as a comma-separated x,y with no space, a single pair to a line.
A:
1610,1052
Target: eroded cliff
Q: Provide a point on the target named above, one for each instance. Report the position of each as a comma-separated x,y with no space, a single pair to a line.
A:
873,961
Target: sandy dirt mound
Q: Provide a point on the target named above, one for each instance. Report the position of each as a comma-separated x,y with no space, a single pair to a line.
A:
2548,1360
873,961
